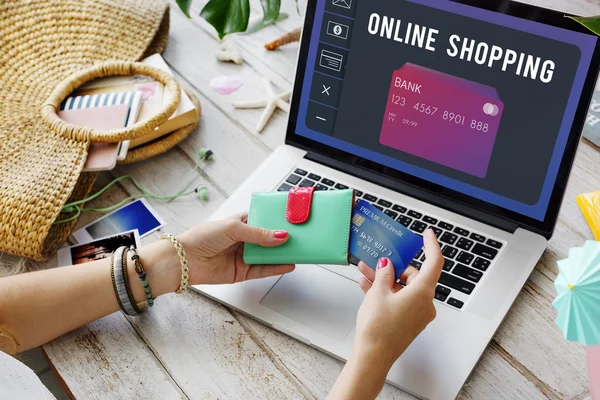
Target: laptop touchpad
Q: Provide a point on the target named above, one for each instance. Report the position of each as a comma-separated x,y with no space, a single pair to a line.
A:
317,298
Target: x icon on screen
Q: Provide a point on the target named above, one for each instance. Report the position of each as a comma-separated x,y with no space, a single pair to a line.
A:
326,90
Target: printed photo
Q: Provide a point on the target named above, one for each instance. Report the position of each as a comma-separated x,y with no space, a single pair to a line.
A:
137,215
98,249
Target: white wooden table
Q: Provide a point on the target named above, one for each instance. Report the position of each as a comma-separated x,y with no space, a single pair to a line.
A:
191,347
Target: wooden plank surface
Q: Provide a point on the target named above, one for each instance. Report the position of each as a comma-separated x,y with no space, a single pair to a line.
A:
196,348
209,354
108,360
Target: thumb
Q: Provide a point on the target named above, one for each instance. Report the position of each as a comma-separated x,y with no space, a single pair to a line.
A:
241,232
385,274
432,268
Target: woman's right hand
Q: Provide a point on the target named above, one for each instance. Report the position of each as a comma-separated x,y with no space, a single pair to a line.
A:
392,316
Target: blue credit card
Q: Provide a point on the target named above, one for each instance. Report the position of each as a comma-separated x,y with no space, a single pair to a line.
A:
374,235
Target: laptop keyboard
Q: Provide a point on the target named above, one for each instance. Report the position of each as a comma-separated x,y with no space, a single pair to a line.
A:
467,255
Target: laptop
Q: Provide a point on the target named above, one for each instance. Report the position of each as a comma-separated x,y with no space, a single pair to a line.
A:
463,116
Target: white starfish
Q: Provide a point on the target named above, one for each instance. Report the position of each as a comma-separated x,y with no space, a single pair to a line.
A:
273,102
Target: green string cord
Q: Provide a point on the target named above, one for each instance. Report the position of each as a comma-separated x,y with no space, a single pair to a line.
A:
77,214
144,194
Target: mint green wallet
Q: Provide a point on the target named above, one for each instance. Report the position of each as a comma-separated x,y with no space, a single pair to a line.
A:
318,223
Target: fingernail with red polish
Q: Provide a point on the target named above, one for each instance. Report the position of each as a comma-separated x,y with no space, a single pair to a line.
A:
382,263
280,234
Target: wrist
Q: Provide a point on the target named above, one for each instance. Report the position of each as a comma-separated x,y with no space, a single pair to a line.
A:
162,268
374,358
363,375
380,347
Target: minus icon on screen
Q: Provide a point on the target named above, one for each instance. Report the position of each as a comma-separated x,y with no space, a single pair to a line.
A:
321,118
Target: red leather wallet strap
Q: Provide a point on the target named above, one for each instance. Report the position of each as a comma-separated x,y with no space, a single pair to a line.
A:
299,201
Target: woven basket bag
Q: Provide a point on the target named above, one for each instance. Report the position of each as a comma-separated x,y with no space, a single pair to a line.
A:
47,49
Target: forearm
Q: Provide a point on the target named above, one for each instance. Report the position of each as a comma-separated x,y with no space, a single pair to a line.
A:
363,376
40,306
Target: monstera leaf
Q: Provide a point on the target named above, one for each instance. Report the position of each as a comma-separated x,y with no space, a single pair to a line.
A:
227,16
592,23
271,11
232,16
185,6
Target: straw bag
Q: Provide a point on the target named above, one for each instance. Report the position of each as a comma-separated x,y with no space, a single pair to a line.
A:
47,49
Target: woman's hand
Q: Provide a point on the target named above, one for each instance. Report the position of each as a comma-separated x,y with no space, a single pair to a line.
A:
392,316
215,251
215,256
389,320
69,297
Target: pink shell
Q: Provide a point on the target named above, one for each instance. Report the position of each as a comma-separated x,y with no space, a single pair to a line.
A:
226,84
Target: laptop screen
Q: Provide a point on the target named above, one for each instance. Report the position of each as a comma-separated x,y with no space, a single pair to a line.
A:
478,102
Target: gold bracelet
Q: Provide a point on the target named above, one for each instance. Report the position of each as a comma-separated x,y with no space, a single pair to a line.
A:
185,271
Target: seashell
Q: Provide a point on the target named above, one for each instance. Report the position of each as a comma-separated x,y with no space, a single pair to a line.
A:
290,37
229,52
226,84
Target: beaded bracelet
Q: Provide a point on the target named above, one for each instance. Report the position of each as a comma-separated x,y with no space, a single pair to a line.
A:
139,269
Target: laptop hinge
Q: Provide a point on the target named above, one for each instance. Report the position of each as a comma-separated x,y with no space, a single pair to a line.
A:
412,191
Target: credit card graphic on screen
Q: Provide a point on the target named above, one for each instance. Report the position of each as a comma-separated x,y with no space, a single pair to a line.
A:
442,118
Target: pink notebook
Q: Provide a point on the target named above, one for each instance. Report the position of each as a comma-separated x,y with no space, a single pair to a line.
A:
101,156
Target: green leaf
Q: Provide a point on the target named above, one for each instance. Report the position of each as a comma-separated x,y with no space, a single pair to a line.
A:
271,11
185,6
592,23
227,16
260,26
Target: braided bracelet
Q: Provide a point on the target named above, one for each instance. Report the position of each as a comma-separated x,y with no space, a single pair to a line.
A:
139,269
185,271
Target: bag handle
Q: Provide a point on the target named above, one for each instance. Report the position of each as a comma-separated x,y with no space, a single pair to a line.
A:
110,68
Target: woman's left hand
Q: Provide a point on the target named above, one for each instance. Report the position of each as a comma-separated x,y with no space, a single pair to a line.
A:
215,251
76,295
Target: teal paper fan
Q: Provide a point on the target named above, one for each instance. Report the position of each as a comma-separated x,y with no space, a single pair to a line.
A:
578,300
